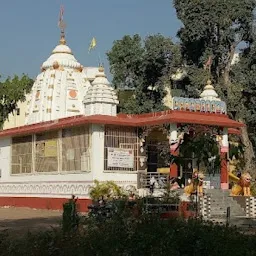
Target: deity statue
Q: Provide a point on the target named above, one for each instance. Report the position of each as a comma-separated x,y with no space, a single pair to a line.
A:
242,187
196,184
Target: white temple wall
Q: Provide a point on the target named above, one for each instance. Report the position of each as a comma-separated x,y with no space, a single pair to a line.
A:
60,184
5,150
97,162
113,110
53,185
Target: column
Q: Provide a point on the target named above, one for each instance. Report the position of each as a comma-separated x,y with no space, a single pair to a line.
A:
173,140
97,152
223,156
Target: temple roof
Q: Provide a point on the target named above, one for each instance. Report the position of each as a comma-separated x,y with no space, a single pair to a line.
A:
151,119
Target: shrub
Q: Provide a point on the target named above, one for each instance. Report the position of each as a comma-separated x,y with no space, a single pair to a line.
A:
107,190
70,218
127,235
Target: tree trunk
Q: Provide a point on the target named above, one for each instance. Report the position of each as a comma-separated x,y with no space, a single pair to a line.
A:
249,156
226,74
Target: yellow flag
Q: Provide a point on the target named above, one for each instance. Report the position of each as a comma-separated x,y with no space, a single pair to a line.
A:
92,44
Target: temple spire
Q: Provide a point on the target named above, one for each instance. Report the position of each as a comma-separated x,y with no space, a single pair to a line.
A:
209,92
62,26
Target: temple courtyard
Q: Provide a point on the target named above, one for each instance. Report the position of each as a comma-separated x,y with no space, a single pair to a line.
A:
20,220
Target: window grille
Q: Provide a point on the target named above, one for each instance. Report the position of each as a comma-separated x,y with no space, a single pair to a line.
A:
122,138
21,155
47,151
76,149
66,150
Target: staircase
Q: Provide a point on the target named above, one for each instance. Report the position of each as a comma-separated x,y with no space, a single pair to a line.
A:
220,202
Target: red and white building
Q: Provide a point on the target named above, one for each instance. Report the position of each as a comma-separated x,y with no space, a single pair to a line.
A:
73,135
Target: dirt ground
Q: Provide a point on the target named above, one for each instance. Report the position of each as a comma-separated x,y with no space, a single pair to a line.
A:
24,219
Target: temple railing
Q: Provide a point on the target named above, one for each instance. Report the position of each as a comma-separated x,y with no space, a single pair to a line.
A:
160,179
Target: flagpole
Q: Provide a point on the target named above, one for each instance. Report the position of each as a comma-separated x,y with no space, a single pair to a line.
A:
100,63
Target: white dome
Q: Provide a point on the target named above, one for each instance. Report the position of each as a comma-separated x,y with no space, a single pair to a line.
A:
101,91
62,48
63,56
59,90
101,98
209,92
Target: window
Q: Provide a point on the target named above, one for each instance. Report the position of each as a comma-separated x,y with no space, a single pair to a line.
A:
47,152
76,149
21,155
118,137
18,111
66,150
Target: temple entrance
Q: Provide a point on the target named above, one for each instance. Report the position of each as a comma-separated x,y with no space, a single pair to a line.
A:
196,147
157,148
157,153
199,149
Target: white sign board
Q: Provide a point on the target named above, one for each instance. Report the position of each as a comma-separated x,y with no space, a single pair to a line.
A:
120,158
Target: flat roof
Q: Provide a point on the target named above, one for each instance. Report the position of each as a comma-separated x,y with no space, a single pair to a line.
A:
150,119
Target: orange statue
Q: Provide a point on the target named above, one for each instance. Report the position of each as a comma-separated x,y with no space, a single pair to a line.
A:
242,187
196,185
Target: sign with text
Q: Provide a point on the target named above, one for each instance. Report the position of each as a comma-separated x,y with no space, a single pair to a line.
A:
120,158
50,149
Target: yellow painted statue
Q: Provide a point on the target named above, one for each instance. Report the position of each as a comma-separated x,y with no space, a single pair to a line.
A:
242,187
196,184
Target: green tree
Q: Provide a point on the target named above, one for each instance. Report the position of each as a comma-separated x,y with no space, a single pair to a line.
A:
13,90
143,65
215,30
243,73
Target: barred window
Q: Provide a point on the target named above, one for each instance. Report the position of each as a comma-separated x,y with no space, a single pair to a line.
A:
76,149
47,152
66,150
21,155
118,138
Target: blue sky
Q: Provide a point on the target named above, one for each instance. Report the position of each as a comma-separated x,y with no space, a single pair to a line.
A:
29,29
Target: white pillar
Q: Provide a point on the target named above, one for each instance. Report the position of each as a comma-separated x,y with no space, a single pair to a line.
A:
224,141
173,139
97,152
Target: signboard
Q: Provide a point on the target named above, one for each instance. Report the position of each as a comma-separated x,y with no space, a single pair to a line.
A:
50,149
120,158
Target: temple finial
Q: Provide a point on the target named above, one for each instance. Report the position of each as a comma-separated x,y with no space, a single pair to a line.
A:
62,26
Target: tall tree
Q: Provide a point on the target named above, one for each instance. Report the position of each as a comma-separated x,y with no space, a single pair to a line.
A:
244,73
12,90
143,65
212,31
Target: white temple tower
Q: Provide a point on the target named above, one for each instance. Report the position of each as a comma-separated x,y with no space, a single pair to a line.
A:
59,90
209,92
101,98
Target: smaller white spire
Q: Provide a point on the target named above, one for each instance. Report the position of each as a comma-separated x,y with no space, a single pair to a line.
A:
209,92
100,99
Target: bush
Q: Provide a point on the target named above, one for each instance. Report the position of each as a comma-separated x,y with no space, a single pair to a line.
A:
126,235
70,218
106,190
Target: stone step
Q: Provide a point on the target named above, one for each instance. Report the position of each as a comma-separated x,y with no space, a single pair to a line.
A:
232,207
219,203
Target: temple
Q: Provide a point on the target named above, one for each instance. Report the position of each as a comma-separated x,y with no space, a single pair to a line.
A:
73,135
